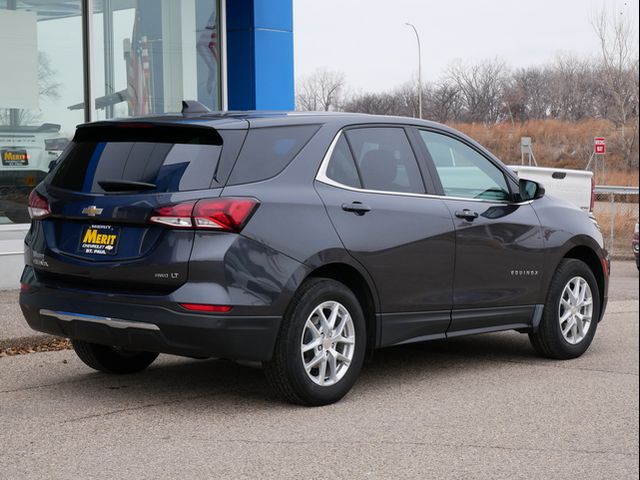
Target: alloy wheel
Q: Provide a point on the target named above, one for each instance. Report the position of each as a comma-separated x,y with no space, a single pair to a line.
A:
575,310
328,343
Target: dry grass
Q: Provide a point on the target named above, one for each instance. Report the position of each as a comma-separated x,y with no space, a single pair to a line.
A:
562,144
623,224
620,216
619,177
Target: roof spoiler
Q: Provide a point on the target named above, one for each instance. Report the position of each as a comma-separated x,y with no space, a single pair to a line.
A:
193,106
147,131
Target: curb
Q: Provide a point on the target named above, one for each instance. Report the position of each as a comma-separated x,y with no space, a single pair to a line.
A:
28,341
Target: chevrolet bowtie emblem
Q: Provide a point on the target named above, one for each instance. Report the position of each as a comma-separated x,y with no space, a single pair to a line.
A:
92,211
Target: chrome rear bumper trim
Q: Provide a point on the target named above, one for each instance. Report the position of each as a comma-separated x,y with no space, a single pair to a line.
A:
108,321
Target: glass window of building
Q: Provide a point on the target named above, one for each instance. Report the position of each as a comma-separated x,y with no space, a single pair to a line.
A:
147,56
41,77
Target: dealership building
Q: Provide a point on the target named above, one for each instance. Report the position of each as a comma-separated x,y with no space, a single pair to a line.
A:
65,62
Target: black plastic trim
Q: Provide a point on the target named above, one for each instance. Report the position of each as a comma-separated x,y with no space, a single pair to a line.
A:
407,327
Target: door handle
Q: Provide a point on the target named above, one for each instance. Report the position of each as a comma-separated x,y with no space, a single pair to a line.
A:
356,207
467,214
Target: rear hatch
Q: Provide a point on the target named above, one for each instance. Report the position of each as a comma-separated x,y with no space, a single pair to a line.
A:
108,184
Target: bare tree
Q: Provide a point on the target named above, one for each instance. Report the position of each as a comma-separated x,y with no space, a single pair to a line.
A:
619,57
406,98
617,39
444,103
481,87
322,90
573,83
373,103
528,95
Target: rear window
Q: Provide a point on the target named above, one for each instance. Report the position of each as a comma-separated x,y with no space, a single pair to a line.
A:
267,151
173,159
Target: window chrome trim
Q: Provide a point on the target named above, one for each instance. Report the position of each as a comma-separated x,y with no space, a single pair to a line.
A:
322,177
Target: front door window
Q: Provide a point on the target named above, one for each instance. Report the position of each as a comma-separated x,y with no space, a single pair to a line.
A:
464,172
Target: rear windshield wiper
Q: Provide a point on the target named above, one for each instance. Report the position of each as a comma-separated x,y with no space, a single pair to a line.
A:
125,185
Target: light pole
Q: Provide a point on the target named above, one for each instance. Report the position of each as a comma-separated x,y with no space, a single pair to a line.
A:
419,69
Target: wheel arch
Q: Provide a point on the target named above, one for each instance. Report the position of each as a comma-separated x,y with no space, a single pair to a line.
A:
595,263
366,294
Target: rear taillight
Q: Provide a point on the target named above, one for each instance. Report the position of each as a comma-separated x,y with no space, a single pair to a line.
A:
230,214
593,194
178,216
38,206
226,214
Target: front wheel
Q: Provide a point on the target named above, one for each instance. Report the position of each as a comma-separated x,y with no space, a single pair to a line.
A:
112,359
571,312
321,347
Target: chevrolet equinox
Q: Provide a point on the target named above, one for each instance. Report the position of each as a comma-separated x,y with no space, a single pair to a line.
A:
302,241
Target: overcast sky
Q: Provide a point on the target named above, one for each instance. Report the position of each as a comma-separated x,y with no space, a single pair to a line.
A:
369,41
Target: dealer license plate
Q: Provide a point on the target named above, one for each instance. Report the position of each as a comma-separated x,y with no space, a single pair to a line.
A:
14,158
99,239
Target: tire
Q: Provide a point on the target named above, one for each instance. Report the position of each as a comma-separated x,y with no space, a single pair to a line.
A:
111,360
302,326
550,341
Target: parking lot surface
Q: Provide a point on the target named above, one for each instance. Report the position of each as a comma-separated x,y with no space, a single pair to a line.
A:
473,407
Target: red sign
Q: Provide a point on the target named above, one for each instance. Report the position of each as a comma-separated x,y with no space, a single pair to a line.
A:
599,146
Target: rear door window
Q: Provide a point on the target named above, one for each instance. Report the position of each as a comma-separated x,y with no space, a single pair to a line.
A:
267,151
341,167
171,162
385,160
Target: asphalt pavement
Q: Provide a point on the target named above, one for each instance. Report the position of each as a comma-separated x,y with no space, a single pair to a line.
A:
474,407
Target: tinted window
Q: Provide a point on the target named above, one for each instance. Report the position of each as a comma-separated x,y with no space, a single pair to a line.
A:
463,171
385,160
267,151
171,167
341,167
173,159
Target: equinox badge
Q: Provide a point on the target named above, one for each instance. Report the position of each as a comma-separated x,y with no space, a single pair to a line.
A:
92,211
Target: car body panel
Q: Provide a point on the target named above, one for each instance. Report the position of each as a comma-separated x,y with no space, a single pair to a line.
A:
499,255
402,238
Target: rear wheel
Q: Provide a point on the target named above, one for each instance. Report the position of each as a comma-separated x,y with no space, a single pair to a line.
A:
111,359
571,312
321,347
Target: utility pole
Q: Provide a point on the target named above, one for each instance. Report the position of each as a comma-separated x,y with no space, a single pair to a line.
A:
419,69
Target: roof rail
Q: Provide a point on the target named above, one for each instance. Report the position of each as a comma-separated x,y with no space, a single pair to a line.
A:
193,106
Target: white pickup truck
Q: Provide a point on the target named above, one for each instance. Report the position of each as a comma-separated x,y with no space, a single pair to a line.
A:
26,153
575,186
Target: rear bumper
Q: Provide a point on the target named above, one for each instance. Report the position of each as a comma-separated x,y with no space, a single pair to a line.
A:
144,327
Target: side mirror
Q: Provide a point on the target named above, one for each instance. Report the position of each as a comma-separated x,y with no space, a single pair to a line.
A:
530,190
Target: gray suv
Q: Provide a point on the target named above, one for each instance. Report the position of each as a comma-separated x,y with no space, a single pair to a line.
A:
300,240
